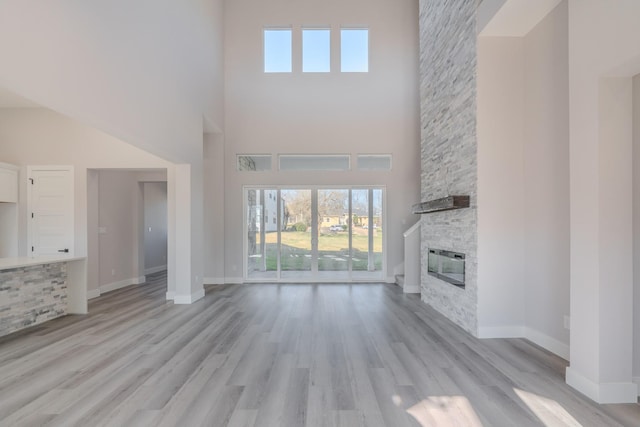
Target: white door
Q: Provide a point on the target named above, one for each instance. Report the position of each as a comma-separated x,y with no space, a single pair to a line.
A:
51,210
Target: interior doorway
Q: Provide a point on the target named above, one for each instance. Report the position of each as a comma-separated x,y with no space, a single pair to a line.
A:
155,226
314,234
127,213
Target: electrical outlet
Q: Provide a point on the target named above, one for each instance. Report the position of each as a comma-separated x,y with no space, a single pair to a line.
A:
567,322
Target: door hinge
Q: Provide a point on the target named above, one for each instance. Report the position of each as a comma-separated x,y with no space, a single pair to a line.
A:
31,248
32,181
31,214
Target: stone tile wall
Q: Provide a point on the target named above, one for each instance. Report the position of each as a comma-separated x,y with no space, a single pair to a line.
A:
448,61
32,295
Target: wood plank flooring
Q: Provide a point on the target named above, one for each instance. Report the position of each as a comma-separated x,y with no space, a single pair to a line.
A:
281,355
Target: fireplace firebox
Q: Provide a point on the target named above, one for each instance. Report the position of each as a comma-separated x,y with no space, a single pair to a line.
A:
447,266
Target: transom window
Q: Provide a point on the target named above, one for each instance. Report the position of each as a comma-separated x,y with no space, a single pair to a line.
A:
354,50
316,50
277,50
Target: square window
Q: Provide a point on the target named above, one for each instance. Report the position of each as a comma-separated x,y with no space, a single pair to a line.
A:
354,50
277,50
316,50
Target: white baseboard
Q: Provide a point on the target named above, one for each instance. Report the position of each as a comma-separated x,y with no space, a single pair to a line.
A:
170,295
222,281
213,281
155,269
188,299
93,293
501,332
548,343
390,279
543,340
407,289
602,392
138,280
116,285
636,380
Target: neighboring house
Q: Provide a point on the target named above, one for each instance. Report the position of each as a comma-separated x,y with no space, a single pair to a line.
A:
271,212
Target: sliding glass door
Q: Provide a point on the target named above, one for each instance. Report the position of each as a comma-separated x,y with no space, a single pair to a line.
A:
296,237
314,234
333,234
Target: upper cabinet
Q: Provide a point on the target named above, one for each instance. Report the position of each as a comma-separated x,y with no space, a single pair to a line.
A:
8,183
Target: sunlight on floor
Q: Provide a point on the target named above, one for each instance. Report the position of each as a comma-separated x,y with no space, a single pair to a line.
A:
550,412
443,411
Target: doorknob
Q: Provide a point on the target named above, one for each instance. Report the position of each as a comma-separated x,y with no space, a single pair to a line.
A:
65,250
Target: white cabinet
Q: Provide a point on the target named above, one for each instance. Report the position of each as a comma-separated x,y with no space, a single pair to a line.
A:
8,183
8,210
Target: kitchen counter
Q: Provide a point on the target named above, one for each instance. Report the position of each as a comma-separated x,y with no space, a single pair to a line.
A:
16,262
35,290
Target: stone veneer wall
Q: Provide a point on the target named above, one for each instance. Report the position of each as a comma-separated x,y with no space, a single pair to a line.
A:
32,295
448,61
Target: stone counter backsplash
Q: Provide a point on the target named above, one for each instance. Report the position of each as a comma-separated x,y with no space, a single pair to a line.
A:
32,295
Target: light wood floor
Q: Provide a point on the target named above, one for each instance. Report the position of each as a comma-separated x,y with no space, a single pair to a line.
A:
281,355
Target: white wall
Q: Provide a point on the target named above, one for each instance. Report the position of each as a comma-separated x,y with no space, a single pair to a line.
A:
523,184
636,228
143,72
501,195
604,52
214,224
155,226
546,172
41,137
118,239
375,112
149,74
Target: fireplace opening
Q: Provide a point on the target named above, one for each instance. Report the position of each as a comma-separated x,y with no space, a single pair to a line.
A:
447,266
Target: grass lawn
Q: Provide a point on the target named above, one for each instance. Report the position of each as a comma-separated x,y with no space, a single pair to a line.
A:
333,250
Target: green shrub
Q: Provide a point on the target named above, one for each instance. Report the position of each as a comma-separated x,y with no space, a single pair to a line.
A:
300,226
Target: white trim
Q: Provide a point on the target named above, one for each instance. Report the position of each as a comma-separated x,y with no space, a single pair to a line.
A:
412,229
155,269
411,289
188,299
390,279
170,295
213,281
138,280
501,332
548,343
543,340
636,380
120,284
234,280
93,293
602,392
